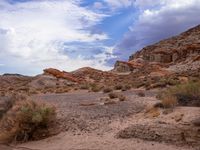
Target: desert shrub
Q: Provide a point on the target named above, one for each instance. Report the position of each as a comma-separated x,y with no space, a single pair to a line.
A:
141,94
122,97
158,105
84,86
8,101
126,87
2,93
113,95
173,81
33,91
169,101
95,88
152,112
61,90
118,87
187,94
25,119
107,90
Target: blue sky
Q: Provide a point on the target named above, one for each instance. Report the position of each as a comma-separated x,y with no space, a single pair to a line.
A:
69,34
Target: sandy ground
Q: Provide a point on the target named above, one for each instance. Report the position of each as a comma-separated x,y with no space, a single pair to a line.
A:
87,124
67,141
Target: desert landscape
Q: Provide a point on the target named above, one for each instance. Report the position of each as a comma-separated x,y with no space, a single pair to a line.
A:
150,102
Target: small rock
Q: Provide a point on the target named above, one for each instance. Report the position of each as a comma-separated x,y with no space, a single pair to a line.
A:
167,111
196,122
179,117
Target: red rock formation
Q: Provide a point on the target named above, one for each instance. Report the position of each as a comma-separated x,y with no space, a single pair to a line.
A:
60,74
91,74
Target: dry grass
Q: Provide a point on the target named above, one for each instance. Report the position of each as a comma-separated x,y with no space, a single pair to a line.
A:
152,112
169,101
25,120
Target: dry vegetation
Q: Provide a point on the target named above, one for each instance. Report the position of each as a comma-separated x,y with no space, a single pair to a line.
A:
187,94
25,119
107,90
113,95
141,94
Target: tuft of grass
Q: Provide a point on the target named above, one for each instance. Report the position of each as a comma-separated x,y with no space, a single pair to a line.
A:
169,101
25,119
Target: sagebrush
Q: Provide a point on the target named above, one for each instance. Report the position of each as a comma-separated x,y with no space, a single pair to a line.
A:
26,120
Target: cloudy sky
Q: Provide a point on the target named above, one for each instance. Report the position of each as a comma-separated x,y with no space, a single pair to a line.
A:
69,34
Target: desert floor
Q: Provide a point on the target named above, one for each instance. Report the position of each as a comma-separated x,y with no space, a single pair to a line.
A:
87,122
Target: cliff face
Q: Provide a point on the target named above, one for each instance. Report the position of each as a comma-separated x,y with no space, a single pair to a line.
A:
182,50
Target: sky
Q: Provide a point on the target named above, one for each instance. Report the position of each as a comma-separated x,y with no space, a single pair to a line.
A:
70,34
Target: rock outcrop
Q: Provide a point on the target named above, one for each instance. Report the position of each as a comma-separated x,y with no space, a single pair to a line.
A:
122,66
182,50
60,74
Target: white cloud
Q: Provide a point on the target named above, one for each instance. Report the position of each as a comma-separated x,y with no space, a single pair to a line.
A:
159,20
116,4
32,34
98,5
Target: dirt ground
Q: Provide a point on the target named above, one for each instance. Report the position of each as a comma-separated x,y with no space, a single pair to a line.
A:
86,122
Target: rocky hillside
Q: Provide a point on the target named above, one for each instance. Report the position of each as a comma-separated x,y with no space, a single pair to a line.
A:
180,53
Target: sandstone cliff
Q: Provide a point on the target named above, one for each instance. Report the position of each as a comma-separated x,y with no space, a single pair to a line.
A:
180,53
